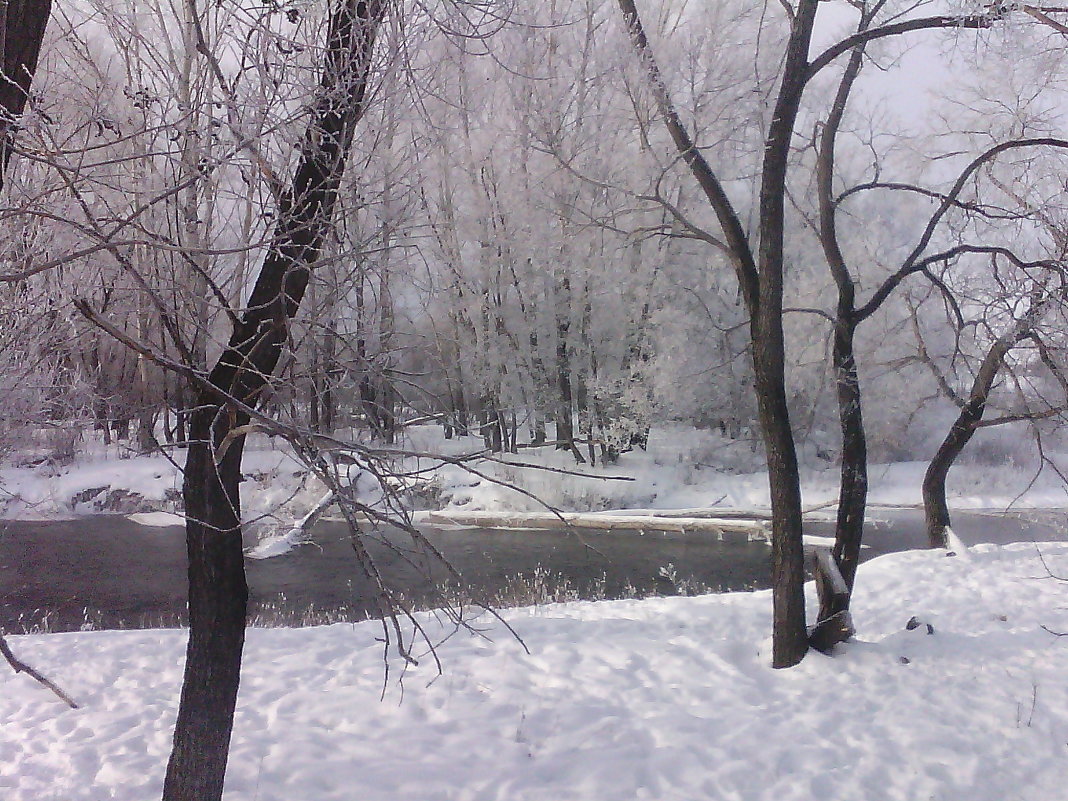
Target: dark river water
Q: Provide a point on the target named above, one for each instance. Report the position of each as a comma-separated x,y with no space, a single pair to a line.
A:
107,572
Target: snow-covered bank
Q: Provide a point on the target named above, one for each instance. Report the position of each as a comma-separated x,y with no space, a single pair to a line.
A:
685,472
657,699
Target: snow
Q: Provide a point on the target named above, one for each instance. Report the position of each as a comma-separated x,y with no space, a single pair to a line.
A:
157,519
685,473
671,698
700,470
667,698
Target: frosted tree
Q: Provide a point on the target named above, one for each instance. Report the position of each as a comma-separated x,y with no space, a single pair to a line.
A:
758,257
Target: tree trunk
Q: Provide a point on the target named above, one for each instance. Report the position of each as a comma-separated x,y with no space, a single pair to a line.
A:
760,280
565,426
790,638
331,373
146,430
217,589
217,601
853,491
832,623
22,29
935,507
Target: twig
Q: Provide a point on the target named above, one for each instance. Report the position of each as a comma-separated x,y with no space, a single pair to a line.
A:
21,667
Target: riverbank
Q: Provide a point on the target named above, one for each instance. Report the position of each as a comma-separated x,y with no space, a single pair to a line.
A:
666,698
699,471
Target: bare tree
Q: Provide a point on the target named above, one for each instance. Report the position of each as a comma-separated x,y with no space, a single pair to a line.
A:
758,262
217,589
229,394
833,622
1030,321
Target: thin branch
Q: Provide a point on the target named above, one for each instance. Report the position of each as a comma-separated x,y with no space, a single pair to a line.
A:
734,233
1043,16
807,310
21,667
919,190
842,47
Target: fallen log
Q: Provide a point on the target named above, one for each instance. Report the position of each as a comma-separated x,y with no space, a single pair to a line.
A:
752,529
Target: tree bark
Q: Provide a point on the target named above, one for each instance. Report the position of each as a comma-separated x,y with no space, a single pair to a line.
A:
22,29
218,597
217,588
790,639
565,423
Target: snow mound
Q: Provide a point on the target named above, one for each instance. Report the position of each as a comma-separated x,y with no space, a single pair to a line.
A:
157,519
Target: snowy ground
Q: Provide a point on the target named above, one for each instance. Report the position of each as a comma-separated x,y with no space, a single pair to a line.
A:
668,699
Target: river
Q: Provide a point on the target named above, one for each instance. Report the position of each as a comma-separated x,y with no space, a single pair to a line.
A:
108,572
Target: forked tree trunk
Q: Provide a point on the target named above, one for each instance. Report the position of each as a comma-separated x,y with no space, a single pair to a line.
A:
217,589
790,638
760,277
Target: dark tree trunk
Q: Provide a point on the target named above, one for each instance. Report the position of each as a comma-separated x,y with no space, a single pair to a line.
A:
121,427
790,639
146,431
321,405
22,29
217,589
217,602
853,487
460,413
328,400
760,279
168,408
936,509
537,428
565,425
833,624
935,506
100,419
182,414
313,403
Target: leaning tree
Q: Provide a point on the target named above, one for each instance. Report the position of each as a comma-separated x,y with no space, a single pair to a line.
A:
228,396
